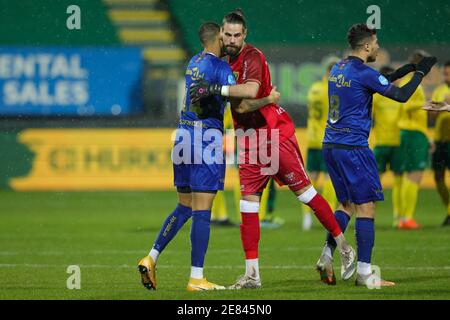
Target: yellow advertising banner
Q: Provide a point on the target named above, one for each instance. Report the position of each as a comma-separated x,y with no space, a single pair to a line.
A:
112,159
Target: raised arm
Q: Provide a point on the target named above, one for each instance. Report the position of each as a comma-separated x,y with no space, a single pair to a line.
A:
401,72
402,94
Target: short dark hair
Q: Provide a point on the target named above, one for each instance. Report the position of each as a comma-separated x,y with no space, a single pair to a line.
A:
235,17
386,70
358,33
417,55
447,64
208,32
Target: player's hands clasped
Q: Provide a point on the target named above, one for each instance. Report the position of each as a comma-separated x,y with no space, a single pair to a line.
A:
426,64
274,95
203,89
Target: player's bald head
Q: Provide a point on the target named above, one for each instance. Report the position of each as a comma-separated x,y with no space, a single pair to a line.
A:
208,32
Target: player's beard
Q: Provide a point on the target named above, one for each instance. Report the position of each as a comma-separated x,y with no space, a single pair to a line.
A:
232,50
372,57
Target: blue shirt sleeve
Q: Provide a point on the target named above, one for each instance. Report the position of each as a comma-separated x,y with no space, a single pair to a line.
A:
374,81
225,75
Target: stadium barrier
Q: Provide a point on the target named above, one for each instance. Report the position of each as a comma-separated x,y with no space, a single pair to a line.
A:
101,159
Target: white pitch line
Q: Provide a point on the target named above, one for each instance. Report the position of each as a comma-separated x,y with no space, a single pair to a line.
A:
211,251
124,266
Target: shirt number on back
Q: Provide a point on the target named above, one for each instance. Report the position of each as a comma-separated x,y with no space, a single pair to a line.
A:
334,108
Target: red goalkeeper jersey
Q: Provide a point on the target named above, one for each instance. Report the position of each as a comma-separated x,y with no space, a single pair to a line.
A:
251,65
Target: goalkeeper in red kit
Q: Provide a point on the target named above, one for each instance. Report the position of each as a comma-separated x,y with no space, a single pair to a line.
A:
265,126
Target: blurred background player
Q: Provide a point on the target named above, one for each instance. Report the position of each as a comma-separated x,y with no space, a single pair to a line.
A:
414,147
196,184
351,164
385,113
317,121
441,156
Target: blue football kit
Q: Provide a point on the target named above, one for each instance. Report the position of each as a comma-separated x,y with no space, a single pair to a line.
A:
199,133
351,164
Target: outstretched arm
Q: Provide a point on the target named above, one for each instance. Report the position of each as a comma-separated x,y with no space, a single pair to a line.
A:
437,106
203,88
250,105
401,72
402,94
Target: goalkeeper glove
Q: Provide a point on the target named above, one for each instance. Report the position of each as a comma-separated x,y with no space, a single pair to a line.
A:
424,66
204,89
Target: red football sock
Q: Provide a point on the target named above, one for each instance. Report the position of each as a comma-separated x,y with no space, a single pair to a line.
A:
325,215
250,234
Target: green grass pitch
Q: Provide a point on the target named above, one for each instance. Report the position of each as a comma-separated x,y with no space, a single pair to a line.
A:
105,233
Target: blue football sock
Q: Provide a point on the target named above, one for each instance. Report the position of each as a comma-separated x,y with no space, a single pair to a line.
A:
342,219
170,227
365,238
199,236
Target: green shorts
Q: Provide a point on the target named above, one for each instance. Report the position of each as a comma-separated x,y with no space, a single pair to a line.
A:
315,161
441,157
414,150
388,155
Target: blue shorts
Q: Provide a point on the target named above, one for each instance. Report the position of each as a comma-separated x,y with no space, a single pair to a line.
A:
198,164
354,174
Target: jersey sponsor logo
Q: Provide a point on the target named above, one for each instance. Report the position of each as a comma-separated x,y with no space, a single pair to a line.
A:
383,80
340,81
194,73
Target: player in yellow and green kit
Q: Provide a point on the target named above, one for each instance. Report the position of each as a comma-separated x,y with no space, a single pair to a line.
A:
441,157
387,151
317,121
414,147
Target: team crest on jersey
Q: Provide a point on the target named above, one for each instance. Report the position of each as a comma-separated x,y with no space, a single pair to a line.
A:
383,80
236,75
290,177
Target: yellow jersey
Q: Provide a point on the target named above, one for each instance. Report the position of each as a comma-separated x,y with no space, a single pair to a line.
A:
442,128
386,113
317,113
412,116
227,118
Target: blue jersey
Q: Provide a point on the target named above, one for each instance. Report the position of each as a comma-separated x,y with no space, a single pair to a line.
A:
208,110
351,85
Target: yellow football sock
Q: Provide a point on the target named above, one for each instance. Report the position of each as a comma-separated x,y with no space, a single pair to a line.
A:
409,193
396,196
329,194
219,208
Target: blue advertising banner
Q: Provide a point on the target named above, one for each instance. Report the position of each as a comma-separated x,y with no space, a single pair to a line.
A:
52,81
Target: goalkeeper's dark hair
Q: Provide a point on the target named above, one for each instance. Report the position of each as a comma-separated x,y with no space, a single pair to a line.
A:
235,17
208,32
358,33
386,70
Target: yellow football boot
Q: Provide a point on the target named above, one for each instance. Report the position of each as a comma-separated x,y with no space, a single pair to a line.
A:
202,284
147,269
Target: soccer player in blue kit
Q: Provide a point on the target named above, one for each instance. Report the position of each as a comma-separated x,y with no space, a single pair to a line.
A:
351,164
198,161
